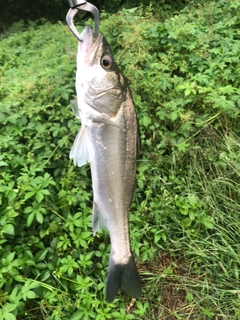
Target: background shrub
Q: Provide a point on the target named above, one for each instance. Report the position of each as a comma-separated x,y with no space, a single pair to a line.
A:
184,74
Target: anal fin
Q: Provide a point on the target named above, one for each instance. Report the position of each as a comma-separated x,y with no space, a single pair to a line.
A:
98,222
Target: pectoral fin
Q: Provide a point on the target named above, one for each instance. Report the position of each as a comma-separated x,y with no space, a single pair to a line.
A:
82,151
74,107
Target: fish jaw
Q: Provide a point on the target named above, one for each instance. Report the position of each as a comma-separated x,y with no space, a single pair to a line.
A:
87,47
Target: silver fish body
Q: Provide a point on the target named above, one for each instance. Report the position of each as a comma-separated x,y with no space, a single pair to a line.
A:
108,140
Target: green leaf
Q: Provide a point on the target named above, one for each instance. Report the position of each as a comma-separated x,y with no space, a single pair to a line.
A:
46,274
45,191
9,229
31,295
173,115
208,222
39,196
77,315
78,223
29,195
30,219
39,217
9,307
11,256
28,209
41,255
12,195
10,316
145,121
3,163
157,237
187,92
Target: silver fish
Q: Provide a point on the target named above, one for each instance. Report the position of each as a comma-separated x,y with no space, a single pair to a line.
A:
108,140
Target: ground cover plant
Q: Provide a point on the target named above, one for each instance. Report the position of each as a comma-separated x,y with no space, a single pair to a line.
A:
185,230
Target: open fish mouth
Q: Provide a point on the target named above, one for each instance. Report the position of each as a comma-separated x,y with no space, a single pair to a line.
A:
83,5
89,44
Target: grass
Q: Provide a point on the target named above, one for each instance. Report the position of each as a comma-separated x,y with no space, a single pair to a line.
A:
210,265
196,276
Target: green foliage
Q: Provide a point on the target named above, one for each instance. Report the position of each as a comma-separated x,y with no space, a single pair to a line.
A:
184,76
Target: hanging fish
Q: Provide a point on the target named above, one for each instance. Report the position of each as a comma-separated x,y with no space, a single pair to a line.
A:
108,140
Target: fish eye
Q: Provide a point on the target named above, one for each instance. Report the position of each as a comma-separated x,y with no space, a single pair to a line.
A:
106,62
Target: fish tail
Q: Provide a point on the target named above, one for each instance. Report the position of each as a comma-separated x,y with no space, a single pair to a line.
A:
122,276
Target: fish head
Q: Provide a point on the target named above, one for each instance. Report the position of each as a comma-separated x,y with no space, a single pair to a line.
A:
99,82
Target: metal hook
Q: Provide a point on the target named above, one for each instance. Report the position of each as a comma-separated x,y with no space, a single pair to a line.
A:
82,5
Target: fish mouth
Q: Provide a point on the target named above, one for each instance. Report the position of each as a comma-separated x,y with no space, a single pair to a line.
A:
89,43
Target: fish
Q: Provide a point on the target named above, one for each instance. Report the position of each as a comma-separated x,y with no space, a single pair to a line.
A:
108,140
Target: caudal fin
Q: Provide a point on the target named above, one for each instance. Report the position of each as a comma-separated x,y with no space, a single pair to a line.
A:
122,276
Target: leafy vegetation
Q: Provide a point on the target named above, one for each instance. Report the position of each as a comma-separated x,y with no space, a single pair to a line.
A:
185,229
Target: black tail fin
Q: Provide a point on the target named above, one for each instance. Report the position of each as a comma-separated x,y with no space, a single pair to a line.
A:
124,276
